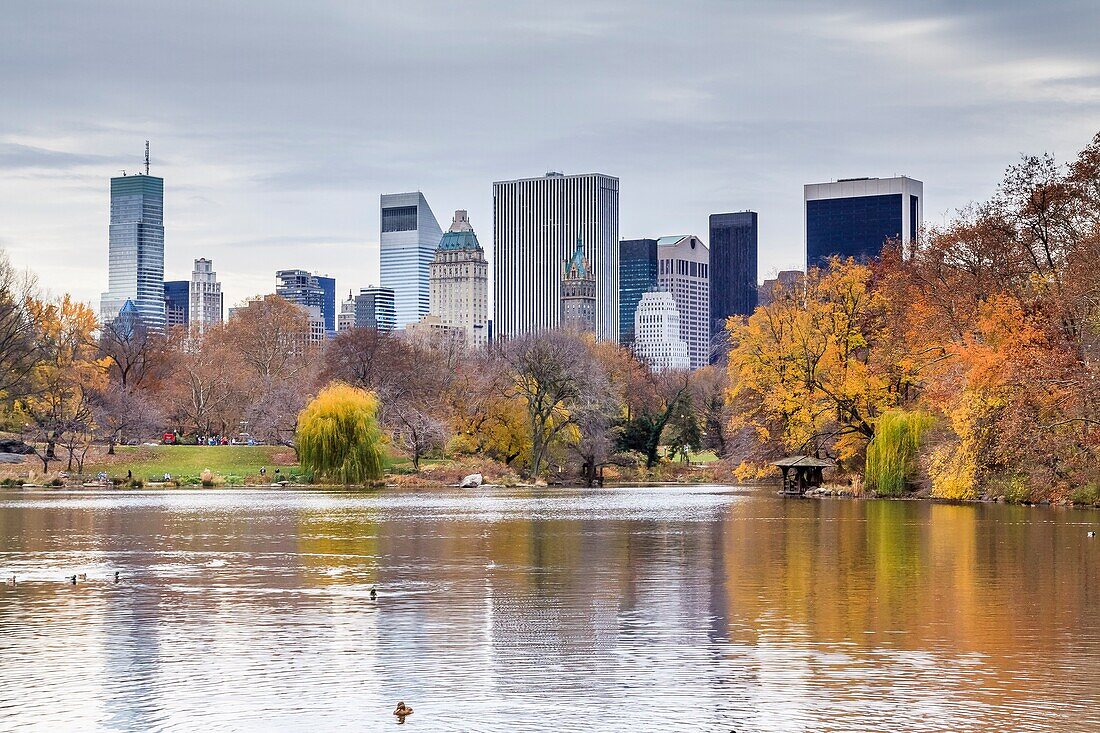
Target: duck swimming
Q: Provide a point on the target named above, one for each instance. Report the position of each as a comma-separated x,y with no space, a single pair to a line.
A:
373,594
402,710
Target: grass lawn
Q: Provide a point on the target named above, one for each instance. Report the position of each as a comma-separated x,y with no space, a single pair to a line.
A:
188,461
152,461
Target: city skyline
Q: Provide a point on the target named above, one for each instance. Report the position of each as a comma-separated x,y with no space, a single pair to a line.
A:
248,175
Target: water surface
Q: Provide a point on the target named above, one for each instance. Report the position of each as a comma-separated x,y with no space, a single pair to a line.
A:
670,609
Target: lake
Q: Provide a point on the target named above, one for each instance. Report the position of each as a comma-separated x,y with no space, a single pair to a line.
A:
699,608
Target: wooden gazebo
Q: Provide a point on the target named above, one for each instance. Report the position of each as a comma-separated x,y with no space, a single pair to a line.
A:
801,473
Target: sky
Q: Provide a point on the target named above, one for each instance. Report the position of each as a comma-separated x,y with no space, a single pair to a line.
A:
276,125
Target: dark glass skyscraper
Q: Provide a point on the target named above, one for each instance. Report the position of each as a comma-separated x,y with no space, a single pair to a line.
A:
637,275
855,217
328,303
176,302
136,251
733,263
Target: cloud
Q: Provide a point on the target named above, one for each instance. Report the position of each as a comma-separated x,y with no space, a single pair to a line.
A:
277,125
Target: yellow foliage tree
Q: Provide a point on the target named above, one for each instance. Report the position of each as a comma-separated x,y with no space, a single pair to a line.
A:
58,410
338,435
802,369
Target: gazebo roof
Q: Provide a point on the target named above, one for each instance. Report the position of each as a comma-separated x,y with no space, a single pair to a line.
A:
809,461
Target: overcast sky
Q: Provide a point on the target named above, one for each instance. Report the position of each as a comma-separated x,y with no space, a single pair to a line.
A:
276,125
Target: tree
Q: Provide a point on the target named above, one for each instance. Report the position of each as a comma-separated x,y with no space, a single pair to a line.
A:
653,399
20,346
338,435
804,372
58,406
551,373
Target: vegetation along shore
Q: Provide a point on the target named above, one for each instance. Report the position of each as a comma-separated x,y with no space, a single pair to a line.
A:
964,365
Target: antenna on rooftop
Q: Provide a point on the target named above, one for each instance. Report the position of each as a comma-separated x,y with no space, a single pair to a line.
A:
146,157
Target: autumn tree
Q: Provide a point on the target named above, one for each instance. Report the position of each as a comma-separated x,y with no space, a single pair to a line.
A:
58,407
20,345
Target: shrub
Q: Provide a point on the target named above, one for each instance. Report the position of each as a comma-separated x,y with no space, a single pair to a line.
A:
1013,488
1087,494
892,454
338,436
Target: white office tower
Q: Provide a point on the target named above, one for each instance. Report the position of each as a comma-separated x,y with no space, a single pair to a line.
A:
657,339
410,235
460,282
683,269
205,297
536,224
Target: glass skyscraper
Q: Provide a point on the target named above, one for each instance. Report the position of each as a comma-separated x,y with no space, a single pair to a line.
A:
637,276
176,302
409,238
303,288
854,217
136,251
733,263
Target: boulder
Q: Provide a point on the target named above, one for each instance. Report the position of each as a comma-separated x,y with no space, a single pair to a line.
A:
17,447
11,458
472,481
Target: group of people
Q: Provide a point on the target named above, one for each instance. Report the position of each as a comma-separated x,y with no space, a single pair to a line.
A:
174,438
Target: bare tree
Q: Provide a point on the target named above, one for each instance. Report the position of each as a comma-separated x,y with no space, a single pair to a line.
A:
20,347
552,371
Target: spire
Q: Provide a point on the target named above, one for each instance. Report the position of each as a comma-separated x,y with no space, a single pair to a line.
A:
577,265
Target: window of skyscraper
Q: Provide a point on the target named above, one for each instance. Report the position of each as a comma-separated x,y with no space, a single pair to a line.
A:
399,219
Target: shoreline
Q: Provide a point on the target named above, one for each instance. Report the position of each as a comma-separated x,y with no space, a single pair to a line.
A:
823,493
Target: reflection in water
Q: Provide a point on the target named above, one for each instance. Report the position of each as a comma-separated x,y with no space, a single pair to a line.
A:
698,608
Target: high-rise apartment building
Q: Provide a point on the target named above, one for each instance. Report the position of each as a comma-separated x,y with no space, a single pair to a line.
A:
205,301
409,239
683,269
374,308
536,222
459,277
854,217
136,250
304,288
637,276
578,292
733,264
657,339
176,303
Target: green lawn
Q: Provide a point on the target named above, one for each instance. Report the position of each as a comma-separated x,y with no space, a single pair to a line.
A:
147,461
188,461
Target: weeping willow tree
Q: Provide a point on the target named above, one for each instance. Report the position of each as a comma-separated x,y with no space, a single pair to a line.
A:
892,453
338,436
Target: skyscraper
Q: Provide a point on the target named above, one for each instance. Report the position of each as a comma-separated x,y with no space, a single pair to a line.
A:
637,276
854,217
374,308
657,339
303,288
136,251
176,303
733,263
460,282
206,296
409,238
536,222
328,302
683,265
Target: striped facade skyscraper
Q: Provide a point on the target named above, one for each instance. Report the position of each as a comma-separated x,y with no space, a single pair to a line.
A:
409,238
536,223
